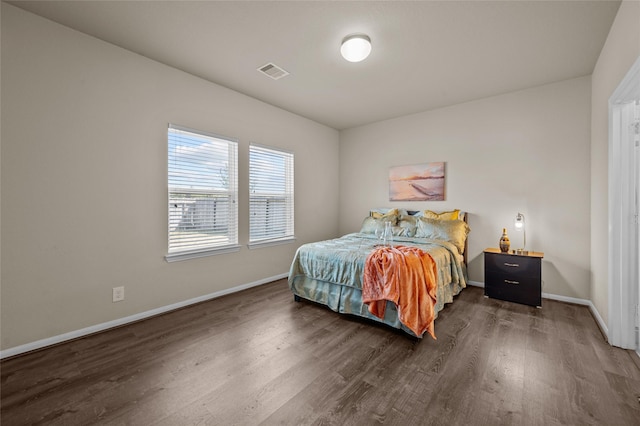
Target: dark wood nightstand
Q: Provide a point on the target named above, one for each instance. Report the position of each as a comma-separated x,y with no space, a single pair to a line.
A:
513,277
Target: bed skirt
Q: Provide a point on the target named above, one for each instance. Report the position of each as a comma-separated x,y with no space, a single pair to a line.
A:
348,300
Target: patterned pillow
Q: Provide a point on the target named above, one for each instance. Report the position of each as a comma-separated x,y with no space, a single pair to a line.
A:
369,225
406,227
389,216
452,215
453,231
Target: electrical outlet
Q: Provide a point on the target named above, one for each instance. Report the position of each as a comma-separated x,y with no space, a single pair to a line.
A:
118,294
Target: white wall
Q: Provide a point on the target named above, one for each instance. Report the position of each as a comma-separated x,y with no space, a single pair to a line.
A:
620,51
84,198
526,151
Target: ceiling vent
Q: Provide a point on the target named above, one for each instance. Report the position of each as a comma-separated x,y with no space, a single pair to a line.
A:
273,71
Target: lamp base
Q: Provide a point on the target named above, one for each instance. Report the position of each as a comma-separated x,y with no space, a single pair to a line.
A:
521,252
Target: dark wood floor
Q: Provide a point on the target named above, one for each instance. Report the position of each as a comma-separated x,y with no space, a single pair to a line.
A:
257,357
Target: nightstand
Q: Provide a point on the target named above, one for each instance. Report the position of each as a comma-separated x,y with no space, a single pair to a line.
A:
513,277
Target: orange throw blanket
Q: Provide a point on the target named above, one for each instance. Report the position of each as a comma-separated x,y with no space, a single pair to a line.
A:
406,276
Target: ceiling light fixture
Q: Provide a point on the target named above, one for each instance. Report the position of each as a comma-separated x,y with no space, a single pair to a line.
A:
355,47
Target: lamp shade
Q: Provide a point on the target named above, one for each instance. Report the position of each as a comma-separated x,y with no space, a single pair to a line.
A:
356,47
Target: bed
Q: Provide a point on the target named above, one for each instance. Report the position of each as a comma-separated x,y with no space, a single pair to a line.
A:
332,272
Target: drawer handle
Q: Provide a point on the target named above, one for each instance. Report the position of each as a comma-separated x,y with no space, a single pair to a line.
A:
511,282
513,265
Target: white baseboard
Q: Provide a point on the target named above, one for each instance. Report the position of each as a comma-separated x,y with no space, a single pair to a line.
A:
599,320
589,303
39,344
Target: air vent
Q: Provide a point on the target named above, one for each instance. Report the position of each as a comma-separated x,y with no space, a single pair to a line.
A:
273,71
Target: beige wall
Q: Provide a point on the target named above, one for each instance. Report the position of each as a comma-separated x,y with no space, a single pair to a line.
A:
620,51
526,151
84,199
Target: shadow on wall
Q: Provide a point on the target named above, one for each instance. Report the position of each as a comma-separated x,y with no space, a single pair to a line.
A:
553,282
475,268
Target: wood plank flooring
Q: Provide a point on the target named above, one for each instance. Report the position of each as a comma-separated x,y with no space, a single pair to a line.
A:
257,357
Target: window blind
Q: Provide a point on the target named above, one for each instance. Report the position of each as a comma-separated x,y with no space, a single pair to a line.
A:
203,191
271,194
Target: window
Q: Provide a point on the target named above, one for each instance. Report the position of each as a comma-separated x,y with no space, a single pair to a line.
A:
270,195
203,189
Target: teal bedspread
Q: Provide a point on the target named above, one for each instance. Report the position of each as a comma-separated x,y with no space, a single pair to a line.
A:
330,272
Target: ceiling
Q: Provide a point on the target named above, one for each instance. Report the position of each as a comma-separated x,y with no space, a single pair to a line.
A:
426,54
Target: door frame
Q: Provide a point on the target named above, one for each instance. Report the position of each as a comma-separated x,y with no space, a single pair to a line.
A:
623,290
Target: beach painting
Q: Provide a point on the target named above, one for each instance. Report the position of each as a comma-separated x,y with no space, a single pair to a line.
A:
420,182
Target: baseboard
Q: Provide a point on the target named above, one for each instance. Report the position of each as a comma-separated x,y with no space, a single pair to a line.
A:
585,302
61,338
599,321
574,300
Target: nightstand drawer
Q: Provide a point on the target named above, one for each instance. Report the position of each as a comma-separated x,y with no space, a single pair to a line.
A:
527,292
511,265
512,280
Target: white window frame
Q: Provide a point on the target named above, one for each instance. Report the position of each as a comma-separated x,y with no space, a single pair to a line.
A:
199,187
286,217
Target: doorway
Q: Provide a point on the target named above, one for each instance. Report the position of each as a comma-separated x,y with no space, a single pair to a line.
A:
624,203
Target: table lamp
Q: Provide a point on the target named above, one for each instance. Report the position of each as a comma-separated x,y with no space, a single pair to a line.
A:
520,227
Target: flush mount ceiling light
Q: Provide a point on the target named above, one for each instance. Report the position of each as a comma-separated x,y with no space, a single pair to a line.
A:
355,47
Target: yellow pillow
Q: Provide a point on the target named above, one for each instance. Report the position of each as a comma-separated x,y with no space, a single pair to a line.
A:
453,231
452,215
391,216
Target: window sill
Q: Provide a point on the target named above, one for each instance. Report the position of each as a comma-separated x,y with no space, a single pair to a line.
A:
195,254
269,243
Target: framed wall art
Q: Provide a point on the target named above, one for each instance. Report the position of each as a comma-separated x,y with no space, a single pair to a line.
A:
419,182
